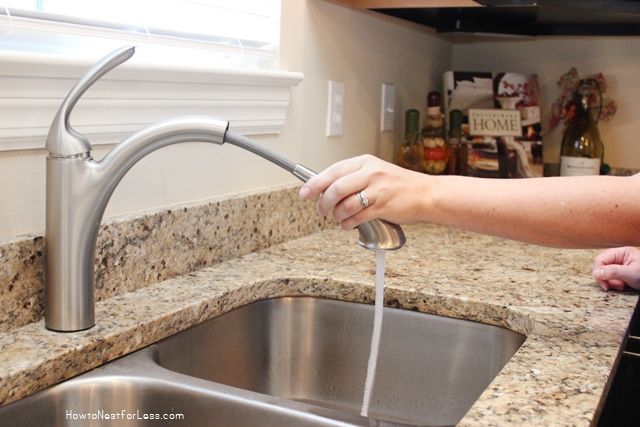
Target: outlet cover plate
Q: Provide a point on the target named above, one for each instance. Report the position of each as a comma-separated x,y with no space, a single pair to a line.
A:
335,110
388,107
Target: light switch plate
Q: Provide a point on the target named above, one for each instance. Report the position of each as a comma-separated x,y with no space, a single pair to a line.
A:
388,107
335,110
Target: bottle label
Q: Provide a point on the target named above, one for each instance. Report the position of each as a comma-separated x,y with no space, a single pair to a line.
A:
578,166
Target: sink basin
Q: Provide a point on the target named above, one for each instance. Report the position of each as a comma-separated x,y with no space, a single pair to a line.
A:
431,369
285,362
135,391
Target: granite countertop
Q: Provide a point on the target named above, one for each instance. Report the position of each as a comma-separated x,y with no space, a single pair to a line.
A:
573,329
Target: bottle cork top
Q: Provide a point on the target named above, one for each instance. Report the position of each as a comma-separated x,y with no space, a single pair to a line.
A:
412,121
434,99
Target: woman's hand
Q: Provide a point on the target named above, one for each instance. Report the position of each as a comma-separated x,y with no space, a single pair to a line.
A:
393,193
617,267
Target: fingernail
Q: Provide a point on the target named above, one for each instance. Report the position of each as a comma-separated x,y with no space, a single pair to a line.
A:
604,287
304,193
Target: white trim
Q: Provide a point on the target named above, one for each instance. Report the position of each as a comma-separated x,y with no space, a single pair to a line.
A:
134,95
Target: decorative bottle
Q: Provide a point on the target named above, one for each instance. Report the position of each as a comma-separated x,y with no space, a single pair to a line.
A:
582,149
458,160
436,151
411,153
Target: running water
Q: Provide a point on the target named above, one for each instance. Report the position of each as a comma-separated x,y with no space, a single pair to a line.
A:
375,336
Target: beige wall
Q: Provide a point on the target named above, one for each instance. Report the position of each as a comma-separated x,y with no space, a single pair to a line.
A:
617,57
324,41
363,50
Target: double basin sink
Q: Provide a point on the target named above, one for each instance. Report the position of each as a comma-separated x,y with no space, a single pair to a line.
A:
285,362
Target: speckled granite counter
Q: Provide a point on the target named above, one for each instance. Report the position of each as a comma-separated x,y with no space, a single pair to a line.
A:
134,251
573,329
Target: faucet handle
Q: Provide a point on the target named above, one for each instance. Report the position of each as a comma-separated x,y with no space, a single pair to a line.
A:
63,140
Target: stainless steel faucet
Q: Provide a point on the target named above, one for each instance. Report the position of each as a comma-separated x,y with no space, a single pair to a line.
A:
78,189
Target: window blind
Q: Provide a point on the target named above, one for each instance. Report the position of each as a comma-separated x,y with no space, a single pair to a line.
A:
249,26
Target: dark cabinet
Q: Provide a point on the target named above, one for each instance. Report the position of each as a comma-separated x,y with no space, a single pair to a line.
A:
515,17
621,405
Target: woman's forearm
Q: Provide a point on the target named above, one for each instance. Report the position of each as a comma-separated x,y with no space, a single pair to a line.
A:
570,212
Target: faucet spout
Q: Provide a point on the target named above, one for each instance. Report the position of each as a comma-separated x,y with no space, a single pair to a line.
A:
79,188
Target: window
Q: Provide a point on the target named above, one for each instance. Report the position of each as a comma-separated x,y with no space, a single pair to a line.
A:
204,57
235,31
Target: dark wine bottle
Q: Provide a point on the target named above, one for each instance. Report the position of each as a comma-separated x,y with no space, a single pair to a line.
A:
582,149
410,153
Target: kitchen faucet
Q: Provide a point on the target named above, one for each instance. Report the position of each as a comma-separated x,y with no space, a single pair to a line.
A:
79,188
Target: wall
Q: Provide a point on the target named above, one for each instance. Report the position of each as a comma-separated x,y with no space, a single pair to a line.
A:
550,57
321,39
363,50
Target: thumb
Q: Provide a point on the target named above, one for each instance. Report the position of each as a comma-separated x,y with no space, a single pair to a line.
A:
615,272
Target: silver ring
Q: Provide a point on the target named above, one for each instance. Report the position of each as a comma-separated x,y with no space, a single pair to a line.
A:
362,198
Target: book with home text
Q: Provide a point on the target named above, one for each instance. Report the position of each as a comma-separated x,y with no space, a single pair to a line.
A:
501,127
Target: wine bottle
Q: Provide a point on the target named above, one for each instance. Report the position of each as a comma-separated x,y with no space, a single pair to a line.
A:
581,151
458,160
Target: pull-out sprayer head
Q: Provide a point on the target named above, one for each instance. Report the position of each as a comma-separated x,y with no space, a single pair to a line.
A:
381,235
376,235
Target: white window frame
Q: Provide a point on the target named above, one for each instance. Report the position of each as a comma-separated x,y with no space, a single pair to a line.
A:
134,95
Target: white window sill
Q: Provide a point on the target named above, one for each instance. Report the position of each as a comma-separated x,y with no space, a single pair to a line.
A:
134,95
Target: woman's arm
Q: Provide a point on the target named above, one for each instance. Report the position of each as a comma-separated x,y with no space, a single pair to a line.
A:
571,212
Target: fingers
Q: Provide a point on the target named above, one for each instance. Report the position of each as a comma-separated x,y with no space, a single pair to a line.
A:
606,272
609,256
616,285
614,276
355,220
349,206
384,184
342,189
318,184
618,267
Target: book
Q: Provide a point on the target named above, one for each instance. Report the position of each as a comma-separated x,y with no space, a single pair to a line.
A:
501,126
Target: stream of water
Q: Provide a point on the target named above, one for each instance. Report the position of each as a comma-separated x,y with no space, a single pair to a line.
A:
375,336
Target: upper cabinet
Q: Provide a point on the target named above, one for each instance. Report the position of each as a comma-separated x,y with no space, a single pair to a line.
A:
516,17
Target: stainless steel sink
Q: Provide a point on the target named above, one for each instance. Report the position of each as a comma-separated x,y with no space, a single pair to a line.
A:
135,391
430,370
289,362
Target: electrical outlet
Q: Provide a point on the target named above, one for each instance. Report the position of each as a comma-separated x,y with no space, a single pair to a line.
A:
335,110
388,107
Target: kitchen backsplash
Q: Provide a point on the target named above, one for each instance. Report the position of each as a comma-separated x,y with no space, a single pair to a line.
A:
136,251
